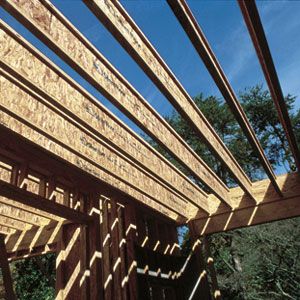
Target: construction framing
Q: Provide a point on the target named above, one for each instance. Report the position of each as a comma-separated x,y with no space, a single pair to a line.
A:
77,181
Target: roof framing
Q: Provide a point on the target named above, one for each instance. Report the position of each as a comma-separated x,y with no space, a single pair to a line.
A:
104,77
60,90
119,23
47,176
199,41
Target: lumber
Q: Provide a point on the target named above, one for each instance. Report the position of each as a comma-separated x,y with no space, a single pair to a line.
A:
20,195
54,85
122,26
51,27
256,30
37,238
270,206
54,127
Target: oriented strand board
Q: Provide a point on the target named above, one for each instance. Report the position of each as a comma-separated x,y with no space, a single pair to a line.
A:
17,213
62,90
45,21
270,206
116,19
53,146
71,136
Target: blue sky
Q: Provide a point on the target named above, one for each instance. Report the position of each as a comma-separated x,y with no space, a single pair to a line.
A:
224,28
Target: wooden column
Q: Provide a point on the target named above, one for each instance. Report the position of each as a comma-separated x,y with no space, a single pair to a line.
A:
7,280
95,249
211,268
200,289
78,264
68,263
131,240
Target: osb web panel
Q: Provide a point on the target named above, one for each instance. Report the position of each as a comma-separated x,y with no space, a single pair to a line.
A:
67,42
84,145
95,116
56,128
132,38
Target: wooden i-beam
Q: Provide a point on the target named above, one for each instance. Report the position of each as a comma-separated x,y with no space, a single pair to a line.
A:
66,41
256,30
7,280
189,23
61,90
88,155
120,24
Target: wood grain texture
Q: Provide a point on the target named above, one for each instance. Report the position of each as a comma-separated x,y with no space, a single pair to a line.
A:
90,149
53,28
28,198
37,237
270,206
121,25
63,92
258,36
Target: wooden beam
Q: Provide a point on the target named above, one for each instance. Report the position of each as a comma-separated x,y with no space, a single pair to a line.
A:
119,23
104,77
17,194
80,148
256,30
34,240
7,280
27,253
13,223
11,209
6,230
94,117
20,211
270,206
189,23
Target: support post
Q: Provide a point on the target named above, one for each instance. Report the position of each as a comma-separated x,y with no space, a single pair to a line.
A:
8,284
211,269
200,288
131,239
78,265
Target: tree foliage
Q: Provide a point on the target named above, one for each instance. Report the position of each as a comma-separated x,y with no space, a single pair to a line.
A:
261,262
34,278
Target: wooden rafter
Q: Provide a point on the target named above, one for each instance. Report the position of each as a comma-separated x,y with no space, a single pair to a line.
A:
119,23
20,195
24,213
199,41
256,30
136,169
104,77
6,220
35,240
84,156
61,90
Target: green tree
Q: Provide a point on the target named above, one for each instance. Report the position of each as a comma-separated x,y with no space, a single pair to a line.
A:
34,277
261,262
